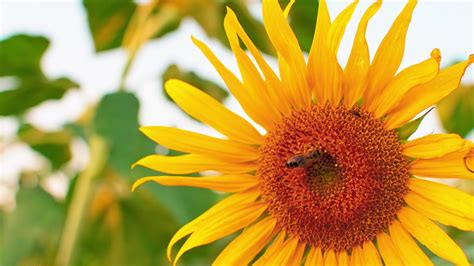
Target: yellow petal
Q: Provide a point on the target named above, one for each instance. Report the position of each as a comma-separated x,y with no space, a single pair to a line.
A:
423,96
222,224
209,111
274,247
320,37
235,86
230,202
190,142
226,183
389,55
297,256
388,251
288,7
343,259
315,257
452,199
357,257
432,146
430,235
407,248
451,165
285,254
370,253
323,68
257,89
437,212
357,67
248,244
275,86
192,163
330,258
285,42
403,82
338,27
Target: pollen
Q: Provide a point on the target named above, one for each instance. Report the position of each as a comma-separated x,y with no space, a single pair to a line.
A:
333,176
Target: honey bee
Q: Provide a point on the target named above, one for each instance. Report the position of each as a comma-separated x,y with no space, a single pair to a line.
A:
303,160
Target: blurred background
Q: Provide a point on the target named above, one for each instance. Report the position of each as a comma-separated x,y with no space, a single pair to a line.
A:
78,78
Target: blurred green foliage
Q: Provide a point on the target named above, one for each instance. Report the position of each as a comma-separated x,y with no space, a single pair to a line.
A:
20,56
457,111
119,227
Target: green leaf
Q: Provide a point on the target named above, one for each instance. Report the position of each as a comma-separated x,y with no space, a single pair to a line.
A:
108,21
457,111
116,119
54,146
409,128
209,87
303,16
21,55
31,91
31,232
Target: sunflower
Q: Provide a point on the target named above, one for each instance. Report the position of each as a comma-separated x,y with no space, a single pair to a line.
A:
332,180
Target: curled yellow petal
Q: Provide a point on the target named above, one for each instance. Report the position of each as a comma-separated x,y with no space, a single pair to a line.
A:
451,165
389,55
338,27
388,251
248,244
425,95
323,67
192,163
430,235
450,198
235,86
220,225
285,42
357,67
275,86
257,88
407,248
437,212
190,142
433,146
209,111
230,202
370,253
323,23
403,82
226,183
315,257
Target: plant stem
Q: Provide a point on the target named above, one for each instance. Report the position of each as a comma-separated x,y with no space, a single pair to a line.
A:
98,156
126,70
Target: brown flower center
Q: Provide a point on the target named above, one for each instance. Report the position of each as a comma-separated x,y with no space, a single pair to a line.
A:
333,177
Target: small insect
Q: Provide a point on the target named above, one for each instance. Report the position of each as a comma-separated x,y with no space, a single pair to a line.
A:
303,160
356,113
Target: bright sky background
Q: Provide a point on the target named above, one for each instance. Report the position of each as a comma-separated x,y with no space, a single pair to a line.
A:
447,25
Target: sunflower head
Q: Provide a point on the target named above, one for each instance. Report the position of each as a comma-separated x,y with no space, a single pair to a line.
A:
329,179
